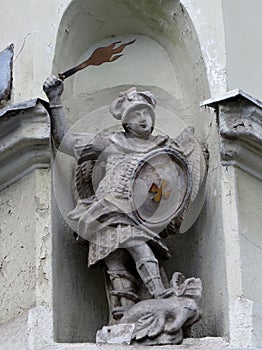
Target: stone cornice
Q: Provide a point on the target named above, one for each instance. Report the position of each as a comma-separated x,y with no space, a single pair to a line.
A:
231,96
24,140
240,127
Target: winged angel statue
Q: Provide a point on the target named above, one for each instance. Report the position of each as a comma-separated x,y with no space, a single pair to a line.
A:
133,190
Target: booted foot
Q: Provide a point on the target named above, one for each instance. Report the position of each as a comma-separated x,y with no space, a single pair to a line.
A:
118,311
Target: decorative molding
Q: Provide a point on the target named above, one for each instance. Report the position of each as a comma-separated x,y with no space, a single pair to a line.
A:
240,128
24,140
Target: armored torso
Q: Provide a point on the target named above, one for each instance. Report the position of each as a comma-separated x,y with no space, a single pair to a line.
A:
139,186
119,171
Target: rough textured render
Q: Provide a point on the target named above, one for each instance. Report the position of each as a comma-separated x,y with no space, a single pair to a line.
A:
6,68
25,245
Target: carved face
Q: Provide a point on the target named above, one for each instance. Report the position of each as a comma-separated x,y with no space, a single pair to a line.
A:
139,122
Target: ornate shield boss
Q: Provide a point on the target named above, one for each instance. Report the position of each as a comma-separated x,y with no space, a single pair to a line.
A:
161,188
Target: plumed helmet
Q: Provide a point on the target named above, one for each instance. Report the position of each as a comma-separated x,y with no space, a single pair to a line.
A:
129,100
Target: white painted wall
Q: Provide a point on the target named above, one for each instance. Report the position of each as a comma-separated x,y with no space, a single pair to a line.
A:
242,23
207,18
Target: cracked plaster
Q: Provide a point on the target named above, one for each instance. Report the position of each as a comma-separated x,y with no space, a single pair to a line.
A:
25,245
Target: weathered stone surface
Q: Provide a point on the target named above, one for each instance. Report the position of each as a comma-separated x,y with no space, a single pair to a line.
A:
240,128
6,62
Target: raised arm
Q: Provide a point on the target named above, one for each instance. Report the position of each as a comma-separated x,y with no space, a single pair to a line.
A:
62,137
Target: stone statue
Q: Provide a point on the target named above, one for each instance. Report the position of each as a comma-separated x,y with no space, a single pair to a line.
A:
133,189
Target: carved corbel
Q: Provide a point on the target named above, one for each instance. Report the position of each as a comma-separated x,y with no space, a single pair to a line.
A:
24,140
240,128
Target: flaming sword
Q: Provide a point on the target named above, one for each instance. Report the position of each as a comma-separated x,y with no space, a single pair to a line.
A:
99,56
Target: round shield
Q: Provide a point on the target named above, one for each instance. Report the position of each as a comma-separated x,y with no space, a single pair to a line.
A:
161,187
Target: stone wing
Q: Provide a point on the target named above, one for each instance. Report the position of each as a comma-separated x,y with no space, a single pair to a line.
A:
197,157
83,187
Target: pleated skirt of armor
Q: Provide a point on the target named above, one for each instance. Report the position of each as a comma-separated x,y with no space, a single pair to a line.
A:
111,238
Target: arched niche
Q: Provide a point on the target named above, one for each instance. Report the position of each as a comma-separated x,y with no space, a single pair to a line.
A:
165,59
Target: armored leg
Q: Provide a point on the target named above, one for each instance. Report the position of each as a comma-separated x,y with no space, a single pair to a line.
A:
123,284
148,269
